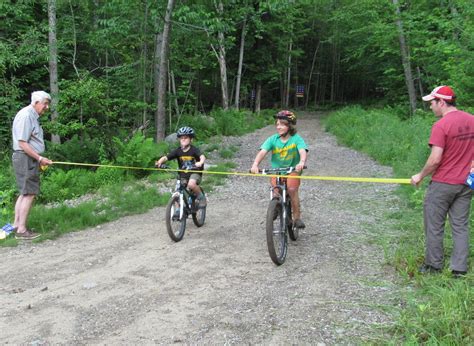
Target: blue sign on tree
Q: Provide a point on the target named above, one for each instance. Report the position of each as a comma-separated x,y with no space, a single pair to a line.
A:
300,90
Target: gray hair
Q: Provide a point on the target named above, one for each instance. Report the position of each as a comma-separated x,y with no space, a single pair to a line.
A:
39,96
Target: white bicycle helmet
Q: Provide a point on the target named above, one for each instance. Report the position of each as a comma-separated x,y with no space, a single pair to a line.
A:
186,131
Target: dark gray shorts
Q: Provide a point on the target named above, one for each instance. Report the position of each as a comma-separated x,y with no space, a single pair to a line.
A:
27,173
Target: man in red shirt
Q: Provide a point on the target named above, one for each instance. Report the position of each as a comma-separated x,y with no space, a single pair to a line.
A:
449,164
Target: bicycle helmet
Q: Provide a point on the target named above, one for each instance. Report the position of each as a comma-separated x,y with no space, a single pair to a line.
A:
286,115
186,131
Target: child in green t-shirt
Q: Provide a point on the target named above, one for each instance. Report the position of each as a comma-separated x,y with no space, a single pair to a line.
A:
288,150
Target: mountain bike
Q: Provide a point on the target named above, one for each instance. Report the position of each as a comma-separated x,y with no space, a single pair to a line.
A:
183,202
279,223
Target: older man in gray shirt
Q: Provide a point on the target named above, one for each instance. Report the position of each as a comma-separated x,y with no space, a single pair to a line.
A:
28,145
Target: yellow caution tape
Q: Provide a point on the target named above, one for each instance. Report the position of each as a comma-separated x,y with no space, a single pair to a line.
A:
305,177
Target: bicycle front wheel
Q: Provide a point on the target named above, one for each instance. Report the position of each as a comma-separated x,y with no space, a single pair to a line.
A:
277,238
292,230
174,224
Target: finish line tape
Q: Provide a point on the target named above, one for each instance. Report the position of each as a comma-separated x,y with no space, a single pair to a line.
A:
303,177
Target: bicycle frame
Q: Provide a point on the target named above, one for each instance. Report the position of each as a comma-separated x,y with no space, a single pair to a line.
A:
280,182
186,197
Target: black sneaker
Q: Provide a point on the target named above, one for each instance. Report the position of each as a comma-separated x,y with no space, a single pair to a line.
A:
427,269
298,223
457,274
201,202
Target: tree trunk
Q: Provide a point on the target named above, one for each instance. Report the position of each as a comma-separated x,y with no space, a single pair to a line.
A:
308,86
144,67
316,88
173,90
405,59
420,86
170,108
156,68
296,84
333,73
288,76
160,118
239,70
222,62
258,96
53,65
74,37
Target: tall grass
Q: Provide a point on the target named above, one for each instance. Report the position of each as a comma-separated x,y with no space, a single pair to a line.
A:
439,310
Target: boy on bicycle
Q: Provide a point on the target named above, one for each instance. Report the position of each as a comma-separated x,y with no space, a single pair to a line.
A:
288,150
189,157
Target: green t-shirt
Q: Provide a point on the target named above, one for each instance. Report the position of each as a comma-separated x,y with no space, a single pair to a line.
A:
284,154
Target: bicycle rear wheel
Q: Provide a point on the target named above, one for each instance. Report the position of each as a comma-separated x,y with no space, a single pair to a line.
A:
174,224
277,238
199,216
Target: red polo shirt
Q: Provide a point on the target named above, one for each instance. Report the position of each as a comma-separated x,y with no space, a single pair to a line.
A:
454,132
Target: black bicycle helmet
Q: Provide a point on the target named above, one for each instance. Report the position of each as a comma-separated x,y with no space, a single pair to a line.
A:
286,115
186,131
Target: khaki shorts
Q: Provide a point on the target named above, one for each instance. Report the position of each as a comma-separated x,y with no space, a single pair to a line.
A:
194,176
27,173
290,183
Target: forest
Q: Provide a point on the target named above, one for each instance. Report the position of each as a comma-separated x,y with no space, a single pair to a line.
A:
115,67
123,75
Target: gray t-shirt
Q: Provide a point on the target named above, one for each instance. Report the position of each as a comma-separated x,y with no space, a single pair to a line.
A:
26,128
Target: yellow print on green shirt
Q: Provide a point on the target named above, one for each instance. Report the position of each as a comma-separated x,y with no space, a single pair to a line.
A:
284,155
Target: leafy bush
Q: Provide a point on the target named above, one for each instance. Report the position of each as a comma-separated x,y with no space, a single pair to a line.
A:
204,126
86,150
8,190
60,185
138,152
226,123
106,176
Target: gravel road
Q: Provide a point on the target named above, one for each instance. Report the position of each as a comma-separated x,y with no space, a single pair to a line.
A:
126,282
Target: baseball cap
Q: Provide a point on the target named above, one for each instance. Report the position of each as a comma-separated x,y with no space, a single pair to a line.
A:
442,92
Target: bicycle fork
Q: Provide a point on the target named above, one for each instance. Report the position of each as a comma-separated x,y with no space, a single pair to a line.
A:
282,198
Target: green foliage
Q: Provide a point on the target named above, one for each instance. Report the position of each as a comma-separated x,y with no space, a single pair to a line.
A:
84,107
226,123
8,191
138,151
382,135
77,149
228,153
108,176
60,185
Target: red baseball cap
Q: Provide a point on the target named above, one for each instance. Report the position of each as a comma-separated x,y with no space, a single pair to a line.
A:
442,92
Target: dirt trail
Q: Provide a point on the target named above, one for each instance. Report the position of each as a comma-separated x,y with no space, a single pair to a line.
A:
126,282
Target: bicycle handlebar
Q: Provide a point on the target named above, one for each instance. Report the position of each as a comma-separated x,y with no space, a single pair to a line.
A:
282,170
192,168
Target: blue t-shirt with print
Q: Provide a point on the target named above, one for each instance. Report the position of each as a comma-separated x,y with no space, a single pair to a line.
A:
284,154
